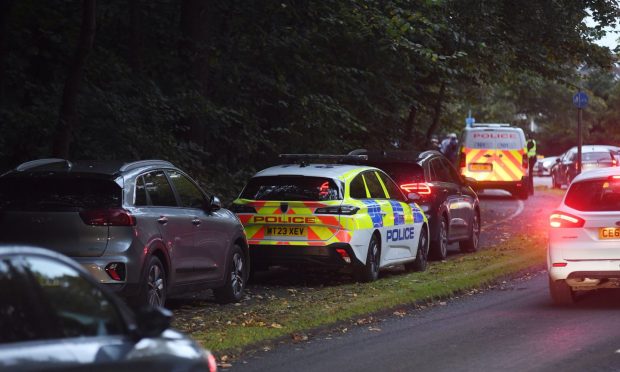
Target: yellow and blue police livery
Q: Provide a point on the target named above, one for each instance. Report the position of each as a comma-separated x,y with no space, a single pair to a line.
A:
332,215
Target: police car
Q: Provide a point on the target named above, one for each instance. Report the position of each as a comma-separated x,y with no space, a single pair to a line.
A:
334,215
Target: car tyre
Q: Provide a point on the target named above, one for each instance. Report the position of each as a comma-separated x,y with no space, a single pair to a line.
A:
439,247
154,285
471,244
236,277
421,258
554,183
522,192
561,293
370,271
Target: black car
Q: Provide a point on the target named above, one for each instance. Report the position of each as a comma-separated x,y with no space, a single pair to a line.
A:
592,156
54,316
450,204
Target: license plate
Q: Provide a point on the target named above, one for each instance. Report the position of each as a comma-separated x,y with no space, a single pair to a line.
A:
285,231
609,233
481,167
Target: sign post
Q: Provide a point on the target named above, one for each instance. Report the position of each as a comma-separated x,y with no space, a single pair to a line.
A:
580,100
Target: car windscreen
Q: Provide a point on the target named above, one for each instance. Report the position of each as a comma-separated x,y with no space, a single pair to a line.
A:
594,195
493,139
56,194
402,172
595,156
292,188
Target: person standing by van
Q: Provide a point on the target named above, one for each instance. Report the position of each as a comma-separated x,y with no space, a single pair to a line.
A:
450,147
531,156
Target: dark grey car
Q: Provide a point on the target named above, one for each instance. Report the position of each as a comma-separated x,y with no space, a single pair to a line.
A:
144,228
55,317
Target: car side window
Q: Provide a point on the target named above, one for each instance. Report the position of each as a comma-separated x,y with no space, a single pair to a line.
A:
189,194
374,186
357,190
158,189
392,188
441,173
140,195
19,313
74,306
452,173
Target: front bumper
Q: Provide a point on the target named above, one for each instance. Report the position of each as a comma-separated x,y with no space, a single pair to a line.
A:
327,256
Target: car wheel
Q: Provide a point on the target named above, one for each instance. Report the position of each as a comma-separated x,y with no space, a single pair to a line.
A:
370,271
236,277
421,257
561,293
153,288
471,244
439,247
554,182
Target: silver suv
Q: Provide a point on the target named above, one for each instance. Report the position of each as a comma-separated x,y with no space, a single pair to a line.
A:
145,229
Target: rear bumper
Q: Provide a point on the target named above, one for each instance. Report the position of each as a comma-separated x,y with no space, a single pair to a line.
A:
327,256
503,185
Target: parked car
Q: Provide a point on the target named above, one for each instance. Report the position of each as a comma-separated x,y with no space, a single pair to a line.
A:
55,316
584,236
145,229
543,166
341,216
450,204
592,157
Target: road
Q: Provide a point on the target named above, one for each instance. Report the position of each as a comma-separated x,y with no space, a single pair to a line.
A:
512,326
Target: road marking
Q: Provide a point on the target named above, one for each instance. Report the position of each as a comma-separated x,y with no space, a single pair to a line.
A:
519,210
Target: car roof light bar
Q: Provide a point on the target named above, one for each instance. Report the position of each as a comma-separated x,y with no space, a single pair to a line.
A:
490,125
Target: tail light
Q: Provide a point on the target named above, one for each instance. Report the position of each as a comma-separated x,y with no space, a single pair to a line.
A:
116,271
561,219
525,162
420,188
337,209
108,217
462,160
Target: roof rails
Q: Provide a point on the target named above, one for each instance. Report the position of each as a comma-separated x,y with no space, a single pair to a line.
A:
144,163
39,162
490,125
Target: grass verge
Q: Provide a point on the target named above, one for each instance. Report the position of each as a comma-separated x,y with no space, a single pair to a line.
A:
231,328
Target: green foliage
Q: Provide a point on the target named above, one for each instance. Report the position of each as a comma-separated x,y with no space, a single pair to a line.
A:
221,91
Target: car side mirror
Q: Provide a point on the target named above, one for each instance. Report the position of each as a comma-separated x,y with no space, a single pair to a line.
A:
214,204
152,321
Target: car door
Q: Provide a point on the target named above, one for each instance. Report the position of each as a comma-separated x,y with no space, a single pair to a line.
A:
210,240
466,200
404,235
451,193
175,226
63,320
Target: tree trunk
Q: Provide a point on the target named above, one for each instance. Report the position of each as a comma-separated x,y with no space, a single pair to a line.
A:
437,113
68,116
5,10
135,36
410,124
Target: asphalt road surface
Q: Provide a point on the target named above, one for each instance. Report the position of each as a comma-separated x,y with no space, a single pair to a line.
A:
512,326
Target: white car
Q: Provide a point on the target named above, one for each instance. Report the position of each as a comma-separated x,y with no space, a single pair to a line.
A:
584,236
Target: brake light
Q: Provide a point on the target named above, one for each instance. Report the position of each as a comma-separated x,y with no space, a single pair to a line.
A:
108,217
462,159
420,188
524,162
345,256
560,219
337,209
116,271
614,178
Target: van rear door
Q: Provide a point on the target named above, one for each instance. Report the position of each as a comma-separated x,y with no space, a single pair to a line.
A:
494,155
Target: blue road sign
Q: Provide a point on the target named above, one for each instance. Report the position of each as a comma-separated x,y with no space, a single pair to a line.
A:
580,100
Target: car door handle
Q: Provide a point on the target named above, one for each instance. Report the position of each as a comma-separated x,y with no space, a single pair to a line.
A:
163,220
196,221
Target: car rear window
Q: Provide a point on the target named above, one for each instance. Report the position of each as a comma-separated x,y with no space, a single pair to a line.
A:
402,172
594,196
293,188
58,194
593,156
494,139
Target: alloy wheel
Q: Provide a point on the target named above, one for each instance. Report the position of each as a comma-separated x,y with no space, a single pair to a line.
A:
155,282
236,280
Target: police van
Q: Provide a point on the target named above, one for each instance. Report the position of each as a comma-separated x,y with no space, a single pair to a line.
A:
495,155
